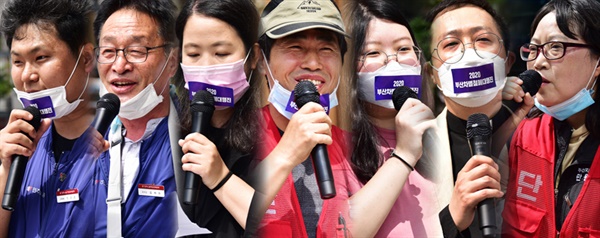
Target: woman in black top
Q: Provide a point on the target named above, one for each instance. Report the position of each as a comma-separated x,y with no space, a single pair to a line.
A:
219,54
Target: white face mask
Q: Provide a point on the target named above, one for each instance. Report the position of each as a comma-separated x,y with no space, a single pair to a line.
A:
378,86
473,81
283,100
143,102
53,102
575,104
226,82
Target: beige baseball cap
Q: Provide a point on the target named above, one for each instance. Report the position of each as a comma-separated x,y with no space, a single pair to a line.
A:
292,16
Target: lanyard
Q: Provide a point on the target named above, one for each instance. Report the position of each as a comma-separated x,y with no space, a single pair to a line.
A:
115,185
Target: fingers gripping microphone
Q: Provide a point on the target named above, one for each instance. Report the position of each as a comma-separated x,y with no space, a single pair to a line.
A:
107,108
479,134
202,108
532,81
18,166
401,94
307,92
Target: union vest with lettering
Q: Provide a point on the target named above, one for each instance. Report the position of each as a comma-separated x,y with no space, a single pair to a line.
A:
284,216
529,205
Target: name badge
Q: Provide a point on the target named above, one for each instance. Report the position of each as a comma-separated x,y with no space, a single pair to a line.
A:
151,190
69,195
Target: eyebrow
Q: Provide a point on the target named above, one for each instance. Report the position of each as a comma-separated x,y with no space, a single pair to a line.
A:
471,31
406,38
136,38
216,44
32,51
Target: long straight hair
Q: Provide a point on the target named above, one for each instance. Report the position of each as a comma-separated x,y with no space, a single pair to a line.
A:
241,129
366,157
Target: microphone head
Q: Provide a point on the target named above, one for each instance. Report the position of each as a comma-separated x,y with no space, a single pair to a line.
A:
110,102
305,92
37,117
532,81
401,94
203,101
478,124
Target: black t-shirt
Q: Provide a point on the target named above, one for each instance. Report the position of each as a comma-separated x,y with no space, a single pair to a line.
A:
209,212
461,153
60,144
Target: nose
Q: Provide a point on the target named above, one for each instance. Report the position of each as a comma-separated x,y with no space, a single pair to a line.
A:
30,73
311,61
540,61
121,65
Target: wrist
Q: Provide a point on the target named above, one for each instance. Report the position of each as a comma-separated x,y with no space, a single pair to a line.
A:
457,218
408,157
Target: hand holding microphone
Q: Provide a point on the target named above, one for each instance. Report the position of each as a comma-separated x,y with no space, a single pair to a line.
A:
516,99
411,121
478,181
513,93
304,93
479,135
202,108
18,140
107,108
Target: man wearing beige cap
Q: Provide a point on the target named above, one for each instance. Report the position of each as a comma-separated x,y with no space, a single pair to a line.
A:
300,41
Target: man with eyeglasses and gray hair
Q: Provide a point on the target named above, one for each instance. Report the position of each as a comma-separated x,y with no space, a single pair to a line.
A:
135,180
469,64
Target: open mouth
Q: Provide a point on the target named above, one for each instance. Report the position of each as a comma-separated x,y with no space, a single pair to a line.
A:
317,83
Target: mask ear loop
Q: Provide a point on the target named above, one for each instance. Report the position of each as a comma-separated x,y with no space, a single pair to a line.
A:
252,70
161,72
250,77
591,90
268,69
74,67
85,87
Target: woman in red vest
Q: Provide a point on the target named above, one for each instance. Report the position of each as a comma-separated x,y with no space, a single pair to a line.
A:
554,162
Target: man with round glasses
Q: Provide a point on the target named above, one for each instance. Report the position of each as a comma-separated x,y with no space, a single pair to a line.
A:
135,180
469,63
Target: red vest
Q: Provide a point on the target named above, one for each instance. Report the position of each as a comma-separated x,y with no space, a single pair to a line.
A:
284,216
529,205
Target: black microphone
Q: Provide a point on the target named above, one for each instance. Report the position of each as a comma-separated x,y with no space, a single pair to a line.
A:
532,81
305,92
107,109
401,94
18,166
202,108
479,134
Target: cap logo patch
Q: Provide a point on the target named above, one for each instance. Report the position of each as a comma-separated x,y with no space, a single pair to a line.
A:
310,6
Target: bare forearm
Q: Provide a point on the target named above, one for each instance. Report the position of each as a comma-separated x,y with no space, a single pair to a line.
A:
371,205
236,195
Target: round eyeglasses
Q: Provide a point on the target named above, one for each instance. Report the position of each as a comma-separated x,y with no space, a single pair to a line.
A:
373,60
451,49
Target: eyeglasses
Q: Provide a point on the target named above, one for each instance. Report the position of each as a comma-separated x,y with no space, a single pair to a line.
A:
451,49
133,54
552,50
376,59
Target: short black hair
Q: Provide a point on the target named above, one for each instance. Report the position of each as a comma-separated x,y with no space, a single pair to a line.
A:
161,11
578,18
69,18
448,5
